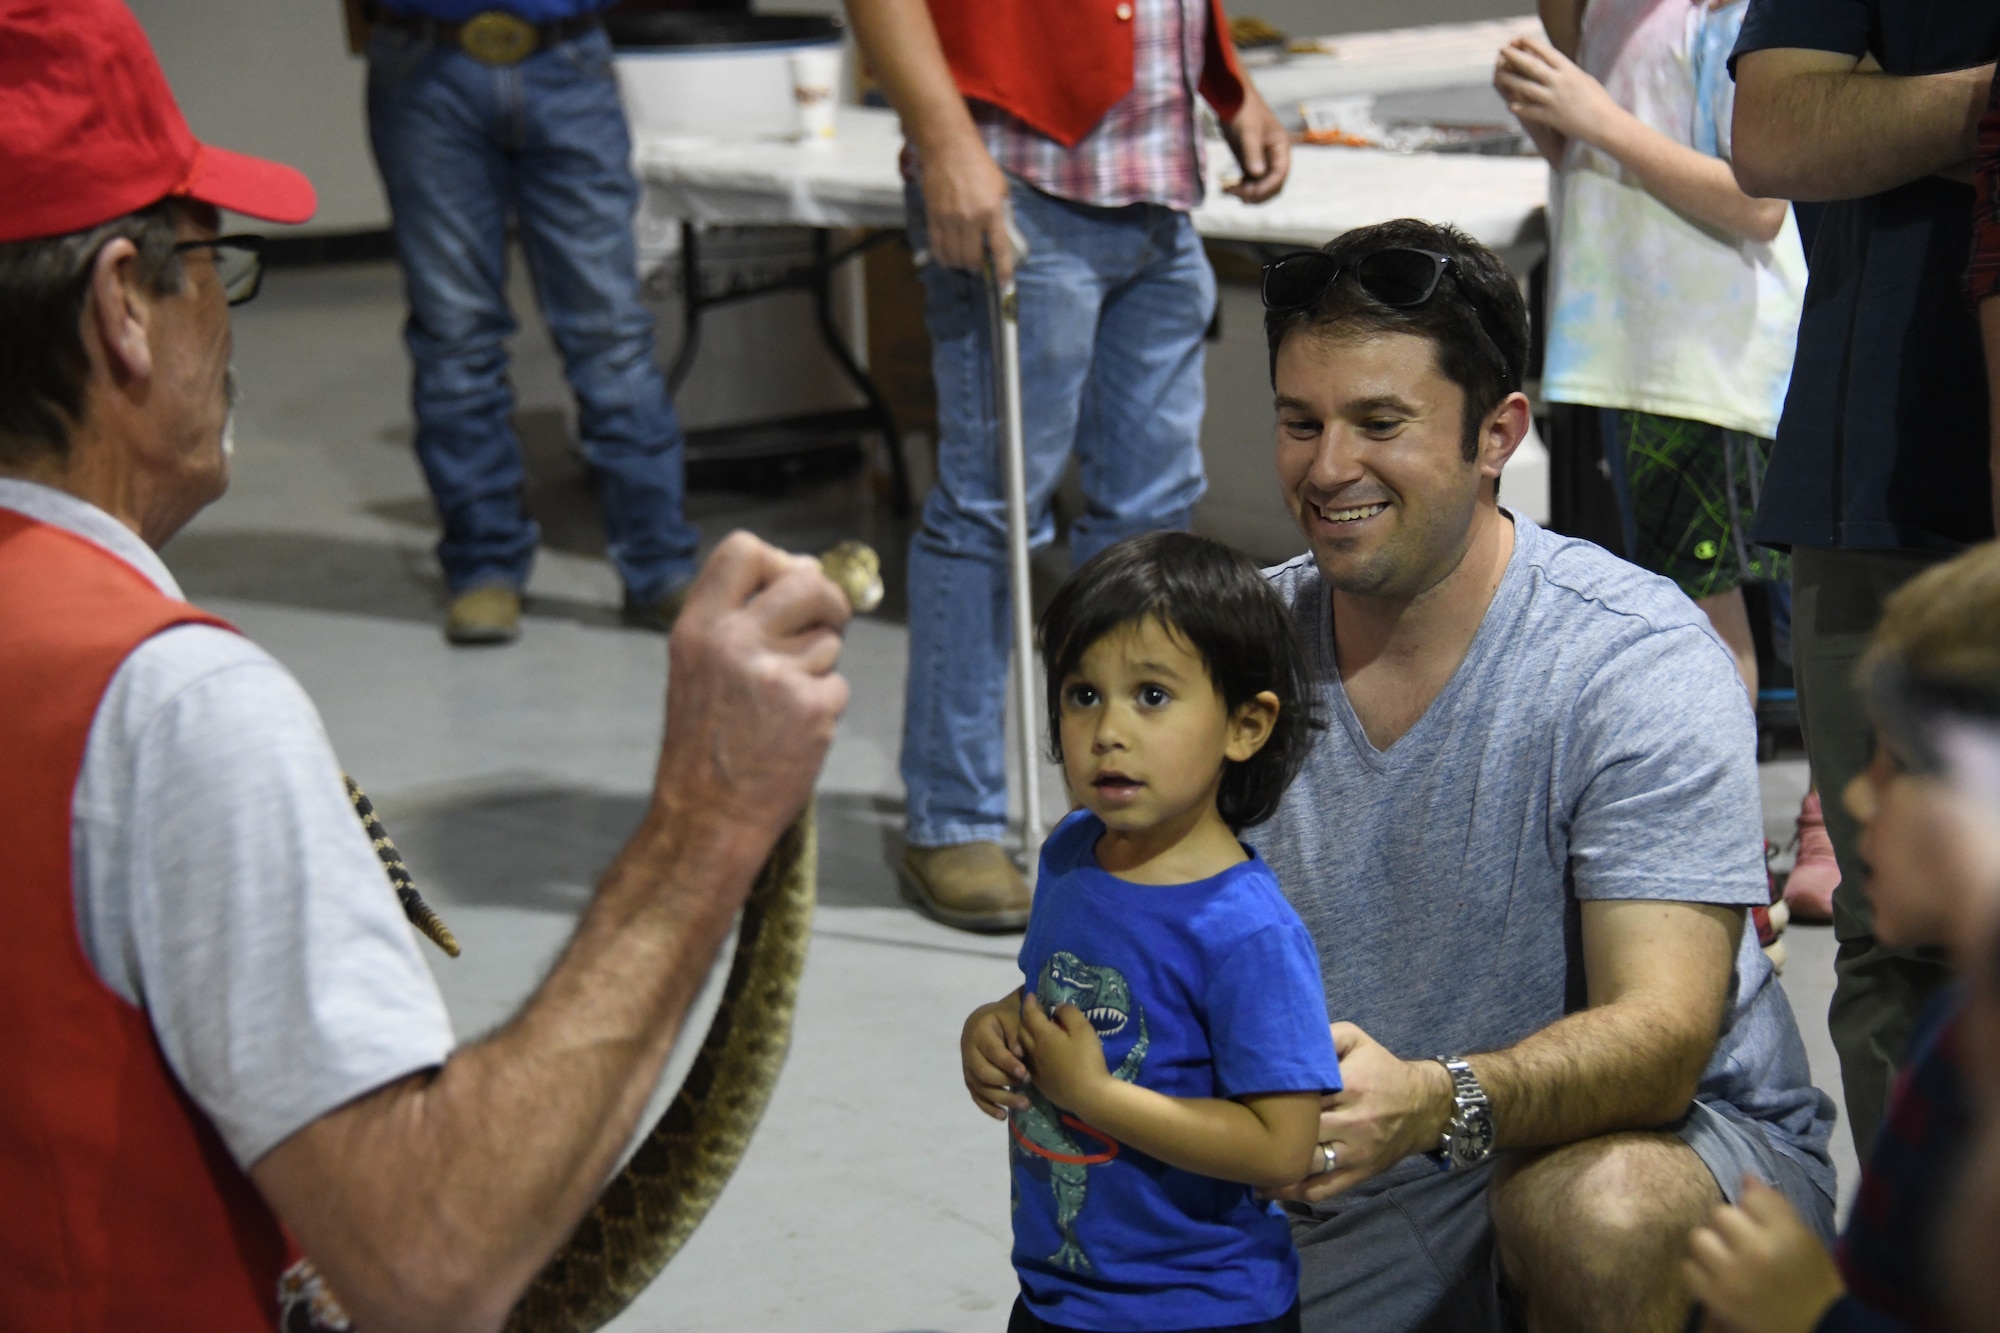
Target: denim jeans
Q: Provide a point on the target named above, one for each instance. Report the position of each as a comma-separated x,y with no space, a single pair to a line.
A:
460,146
1114,303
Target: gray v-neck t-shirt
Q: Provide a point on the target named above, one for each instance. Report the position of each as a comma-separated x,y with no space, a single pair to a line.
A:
1595,743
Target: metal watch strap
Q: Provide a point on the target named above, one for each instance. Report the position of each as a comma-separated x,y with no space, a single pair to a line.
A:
1470,1105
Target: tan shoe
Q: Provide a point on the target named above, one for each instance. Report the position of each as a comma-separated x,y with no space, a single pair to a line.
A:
973,886
487,614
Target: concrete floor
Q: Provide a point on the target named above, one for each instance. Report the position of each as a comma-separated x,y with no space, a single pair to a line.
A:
874,1198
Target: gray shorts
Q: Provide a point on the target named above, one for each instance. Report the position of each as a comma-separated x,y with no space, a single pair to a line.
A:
1417,1253
1732,1149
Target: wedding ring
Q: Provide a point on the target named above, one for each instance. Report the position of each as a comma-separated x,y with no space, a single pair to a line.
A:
1327,1159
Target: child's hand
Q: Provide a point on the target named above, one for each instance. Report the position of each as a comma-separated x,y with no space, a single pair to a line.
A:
1543,86
1068,1058
990,1051
1758,1269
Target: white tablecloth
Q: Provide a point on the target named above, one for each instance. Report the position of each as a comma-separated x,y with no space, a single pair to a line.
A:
854,181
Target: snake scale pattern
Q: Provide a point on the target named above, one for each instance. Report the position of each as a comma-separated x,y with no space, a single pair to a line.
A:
656,1201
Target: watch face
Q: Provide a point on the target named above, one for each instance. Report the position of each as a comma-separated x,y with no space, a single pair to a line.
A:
1472,1137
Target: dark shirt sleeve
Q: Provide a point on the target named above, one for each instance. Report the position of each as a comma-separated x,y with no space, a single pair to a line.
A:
1805,25
1848,1315
1982,278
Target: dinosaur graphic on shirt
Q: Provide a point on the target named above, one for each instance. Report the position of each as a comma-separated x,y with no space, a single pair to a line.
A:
1041,1130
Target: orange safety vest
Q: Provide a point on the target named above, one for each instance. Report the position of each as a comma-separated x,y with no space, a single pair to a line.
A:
122,1209
1059,65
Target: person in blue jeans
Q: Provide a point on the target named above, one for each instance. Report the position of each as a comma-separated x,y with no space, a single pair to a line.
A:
1115,295
477,117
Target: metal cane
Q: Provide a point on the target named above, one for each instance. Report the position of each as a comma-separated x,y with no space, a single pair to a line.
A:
1007,403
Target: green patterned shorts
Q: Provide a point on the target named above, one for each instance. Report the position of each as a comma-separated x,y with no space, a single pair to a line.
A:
1694,488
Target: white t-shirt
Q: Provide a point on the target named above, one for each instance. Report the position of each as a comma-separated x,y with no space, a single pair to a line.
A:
223,883
1650,310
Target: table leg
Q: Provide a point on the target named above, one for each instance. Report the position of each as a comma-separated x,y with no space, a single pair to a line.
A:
878,406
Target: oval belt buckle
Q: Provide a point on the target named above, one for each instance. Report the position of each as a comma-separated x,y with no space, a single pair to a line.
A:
497,37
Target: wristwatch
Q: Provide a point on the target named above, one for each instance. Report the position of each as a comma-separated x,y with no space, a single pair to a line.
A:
1468,1139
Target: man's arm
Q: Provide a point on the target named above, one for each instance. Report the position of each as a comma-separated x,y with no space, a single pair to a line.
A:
965,192
1817,125
1263,148
432,1202
1658,979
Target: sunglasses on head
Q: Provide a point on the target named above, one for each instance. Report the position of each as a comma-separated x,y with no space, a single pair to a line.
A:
1399,277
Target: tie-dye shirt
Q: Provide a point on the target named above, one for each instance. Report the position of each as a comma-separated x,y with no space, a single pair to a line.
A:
1650,310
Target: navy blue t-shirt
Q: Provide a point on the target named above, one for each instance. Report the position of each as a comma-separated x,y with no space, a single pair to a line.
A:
1883,443
1209,989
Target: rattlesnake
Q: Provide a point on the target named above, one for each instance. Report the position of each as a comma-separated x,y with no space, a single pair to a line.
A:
653,1205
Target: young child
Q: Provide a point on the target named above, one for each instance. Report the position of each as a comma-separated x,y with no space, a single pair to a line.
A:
1933,859
1172,1046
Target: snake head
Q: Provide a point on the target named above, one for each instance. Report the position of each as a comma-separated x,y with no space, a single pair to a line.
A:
857,570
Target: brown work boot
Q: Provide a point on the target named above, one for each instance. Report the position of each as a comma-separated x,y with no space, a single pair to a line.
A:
973,886
487,614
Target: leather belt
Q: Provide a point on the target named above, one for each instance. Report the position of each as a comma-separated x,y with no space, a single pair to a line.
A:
495,37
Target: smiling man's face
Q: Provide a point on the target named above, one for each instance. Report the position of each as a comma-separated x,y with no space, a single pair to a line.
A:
1371,460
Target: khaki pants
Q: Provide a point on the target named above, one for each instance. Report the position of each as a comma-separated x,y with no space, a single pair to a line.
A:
1878,991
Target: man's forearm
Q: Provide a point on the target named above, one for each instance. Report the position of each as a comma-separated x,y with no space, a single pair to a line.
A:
1657,976
1597,1071
901,44
450,1191
1807,129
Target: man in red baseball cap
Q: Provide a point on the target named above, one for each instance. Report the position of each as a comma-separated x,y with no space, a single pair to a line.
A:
215,1018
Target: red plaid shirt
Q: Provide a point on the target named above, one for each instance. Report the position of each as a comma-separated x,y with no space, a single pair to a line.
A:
1148,147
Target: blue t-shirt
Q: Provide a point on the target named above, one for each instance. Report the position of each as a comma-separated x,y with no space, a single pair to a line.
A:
1209,989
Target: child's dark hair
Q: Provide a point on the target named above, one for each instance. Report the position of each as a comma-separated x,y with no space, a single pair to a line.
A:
1216,602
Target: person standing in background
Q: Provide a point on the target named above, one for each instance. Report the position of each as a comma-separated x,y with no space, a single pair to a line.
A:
1880,466
1077,121
482,110
1630,101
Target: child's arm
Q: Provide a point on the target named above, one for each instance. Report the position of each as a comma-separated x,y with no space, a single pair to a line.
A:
989,1049
1269,1141
1543,87
1757,1269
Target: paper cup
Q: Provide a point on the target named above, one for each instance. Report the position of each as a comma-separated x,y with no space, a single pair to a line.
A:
815,91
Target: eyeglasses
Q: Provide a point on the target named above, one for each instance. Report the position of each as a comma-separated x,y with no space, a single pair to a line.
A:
1399,277
239,263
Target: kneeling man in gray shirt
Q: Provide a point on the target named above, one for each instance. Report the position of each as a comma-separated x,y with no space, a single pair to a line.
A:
1526,844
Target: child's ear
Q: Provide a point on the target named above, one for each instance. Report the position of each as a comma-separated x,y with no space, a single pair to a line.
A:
1250,725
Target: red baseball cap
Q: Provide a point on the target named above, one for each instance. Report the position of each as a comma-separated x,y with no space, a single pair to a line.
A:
89,130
